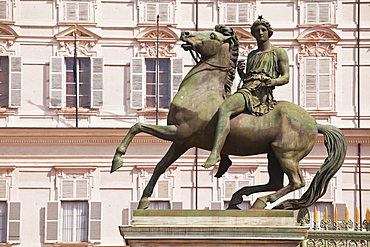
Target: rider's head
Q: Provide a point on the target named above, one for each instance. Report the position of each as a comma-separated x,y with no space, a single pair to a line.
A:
264,22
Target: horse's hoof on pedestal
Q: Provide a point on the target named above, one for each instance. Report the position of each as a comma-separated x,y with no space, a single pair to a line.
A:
259,204
143,203
233,207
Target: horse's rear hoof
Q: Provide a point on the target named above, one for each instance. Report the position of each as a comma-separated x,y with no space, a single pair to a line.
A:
116,164
233,207
143,203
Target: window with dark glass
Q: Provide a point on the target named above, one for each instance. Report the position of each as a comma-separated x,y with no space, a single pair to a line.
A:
83,72
4,81
163,85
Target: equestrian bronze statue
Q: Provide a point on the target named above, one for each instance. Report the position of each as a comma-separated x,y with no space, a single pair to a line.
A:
286,132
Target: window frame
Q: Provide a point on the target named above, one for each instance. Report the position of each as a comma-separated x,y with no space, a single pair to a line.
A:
15,81
58,82
146,19
308,5
237,13
89,9
5,10
73,235
138,80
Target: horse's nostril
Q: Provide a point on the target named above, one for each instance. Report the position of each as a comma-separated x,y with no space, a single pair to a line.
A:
186,33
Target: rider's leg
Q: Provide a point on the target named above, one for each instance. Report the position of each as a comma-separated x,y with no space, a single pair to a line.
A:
234,105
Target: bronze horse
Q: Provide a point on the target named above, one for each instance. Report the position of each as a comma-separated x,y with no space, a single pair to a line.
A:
287,134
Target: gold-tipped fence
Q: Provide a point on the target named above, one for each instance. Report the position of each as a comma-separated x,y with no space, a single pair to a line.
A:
333,232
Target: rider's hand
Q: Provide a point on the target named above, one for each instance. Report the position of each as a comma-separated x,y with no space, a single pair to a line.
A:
269,82
241,67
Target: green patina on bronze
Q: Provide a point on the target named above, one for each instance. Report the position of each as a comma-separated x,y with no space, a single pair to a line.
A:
287,133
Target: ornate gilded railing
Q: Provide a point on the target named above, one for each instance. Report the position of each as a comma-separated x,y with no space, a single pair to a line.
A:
343,233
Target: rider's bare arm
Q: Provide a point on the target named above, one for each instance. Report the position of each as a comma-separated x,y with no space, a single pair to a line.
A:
283,63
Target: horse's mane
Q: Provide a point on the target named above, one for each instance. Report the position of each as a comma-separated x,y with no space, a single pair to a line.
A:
234,50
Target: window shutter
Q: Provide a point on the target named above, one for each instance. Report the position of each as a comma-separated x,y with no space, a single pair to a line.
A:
324,13
328,196
56,82
231,13
230,188
83,11
3,189
71,11
243,11
3,9
52,222
81,186
15,82
164,12
67,189
95,221
97,82
311,12
163,189
177,71
176,205
151,12
310,83
14,222
341,209
137,83
324,83
74,189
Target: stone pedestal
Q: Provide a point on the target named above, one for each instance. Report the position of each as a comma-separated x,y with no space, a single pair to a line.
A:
216,228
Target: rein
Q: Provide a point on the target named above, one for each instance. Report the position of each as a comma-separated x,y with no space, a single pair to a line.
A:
199,59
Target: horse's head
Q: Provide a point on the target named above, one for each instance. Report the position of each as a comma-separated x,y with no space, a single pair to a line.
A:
222,42
207,43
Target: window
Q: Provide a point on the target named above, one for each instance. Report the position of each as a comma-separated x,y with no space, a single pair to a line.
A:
10,216
74,218
77,11
143,81
4,9
231,186
83,78
318,93
151,10
318,13
74,221
164,82
63,87
237,13
10,81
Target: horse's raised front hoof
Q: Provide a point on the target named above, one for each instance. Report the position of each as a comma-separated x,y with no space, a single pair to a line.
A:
143,203
233,207
116,163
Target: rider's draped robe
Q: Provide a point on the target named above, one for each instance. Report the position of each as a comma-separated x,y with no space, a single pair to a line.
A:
260,66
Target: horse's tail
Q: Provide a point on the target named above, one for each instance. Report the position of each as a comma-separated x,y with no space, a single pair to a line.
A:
336,147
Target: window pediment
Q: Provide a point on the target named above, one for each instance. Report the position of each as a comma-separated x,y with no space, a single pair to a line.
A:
85,41
7,38
318,34
148,38
164,34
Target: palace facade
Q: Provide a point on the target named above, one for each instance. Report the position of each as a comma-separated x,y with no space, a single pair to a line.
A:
55,183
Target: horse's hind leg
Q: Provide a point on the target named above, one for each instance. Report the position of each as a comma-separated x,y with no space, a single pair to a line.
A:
290,167
164,132
275,183
171,156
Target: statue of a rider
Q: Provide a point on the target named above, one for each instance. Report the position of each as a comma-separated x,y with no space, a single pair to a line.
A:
266,67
